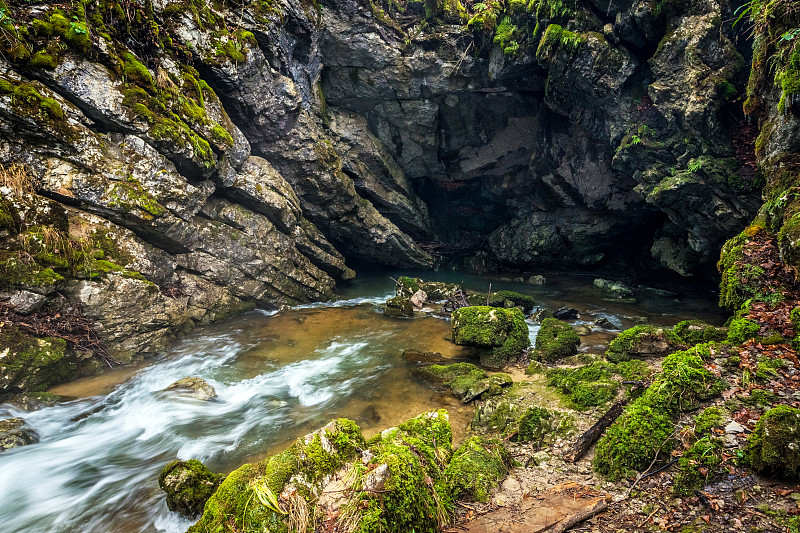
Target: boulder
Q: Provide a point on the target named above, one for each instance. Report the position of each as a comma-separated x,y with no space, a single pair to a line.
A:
643,341
614,288
503,331
467,381
189,485
14,432
555,340
399,307
193,387
774,446
566,313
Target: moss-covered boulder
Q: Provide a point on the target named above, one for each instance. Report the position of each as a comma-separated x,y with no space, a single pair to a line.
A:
467,381
32,364
614,289
741,330
477,467
189,485
15,432
556,340
683,382
243,503
633,442
774,446
503,331
643,341
691,332
587,386
505,299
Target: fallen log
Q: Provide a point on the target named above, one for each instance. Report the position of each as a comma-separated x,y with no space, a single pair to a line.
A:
589,437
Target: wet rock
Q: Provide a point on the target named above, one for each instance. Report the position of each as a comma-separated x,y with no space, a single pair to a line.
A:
415,356
614,288
399,307
536,280
605,323
466,381
503,331
189,485
33,401
14,432
566,313
505,299
540,314
193,387
32,363
582,330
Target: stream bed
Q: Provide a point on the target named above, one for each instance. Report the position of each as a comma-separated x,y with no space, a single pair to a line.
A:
278,375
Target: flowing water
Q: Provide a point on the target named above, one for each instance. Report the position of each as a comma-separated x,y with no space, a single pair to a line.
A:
278,376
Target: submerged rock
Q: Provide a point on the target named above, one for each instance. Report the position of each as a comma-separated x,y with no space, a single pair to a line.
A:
189,485
193,387
614,288
14,432
467,381
502,330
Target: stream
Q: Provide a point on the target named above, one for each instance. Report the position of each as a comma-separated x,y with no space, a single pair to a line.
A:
278,376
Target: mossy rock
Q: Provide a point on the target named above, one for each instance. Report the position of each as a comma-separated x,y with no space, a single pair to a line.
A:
305,464
505,299
477,467
691,332
466,380
436,291
502,330
32,364
632,442
556,340
774,446
684,381
587,386
643,341
399,307
189,485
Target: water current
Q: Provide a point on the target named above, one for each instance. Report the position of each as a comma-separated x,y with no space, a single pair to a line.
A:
278,376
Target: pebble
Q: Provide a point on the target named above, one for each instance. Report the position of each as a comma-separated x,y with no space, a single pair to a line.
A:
734,427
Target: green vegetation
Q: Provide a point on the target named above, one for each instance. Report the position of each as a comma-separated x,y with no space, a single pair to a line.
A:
477,467
502,330
505,299
33,364
774,446
188,484
643,341
594,384
696,465
556,340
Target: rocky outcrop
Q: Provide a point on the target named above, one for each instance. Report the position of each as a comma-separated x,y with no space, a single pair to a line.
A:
202,160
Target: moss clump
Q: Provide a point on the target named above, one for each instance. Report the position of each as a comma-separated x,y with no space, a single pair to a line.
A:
632,442
707,420
188,484
697,465
587,386
16,272
534,425
556,38
502,330
642,341
741,280
741,330
691,332
32,364
505,299
774,446
399,307
135,72
683,382
477,467
129,195
556,339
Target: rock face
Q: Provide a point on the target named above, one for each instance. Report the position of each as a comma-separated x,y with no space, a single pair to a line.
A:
208,160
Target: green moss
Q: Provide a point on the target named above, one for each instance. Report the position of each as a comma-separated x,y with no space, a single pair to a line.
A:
556,339
707,420
135,72
683,382
633,442
741,330
696,466
399,307
129,195
642,341
27,99
691,332
43,59
33,364
587,386
556,38
534,425
506,299
774,446
221,136
477,467
16,272
188,484
503,330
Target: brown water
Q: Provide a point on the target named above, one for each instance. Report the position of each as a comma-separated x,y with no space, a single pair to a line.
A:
278,376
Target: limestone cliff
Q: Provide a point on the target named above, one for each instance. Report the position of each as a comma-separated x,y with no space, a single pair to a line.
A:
169,163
